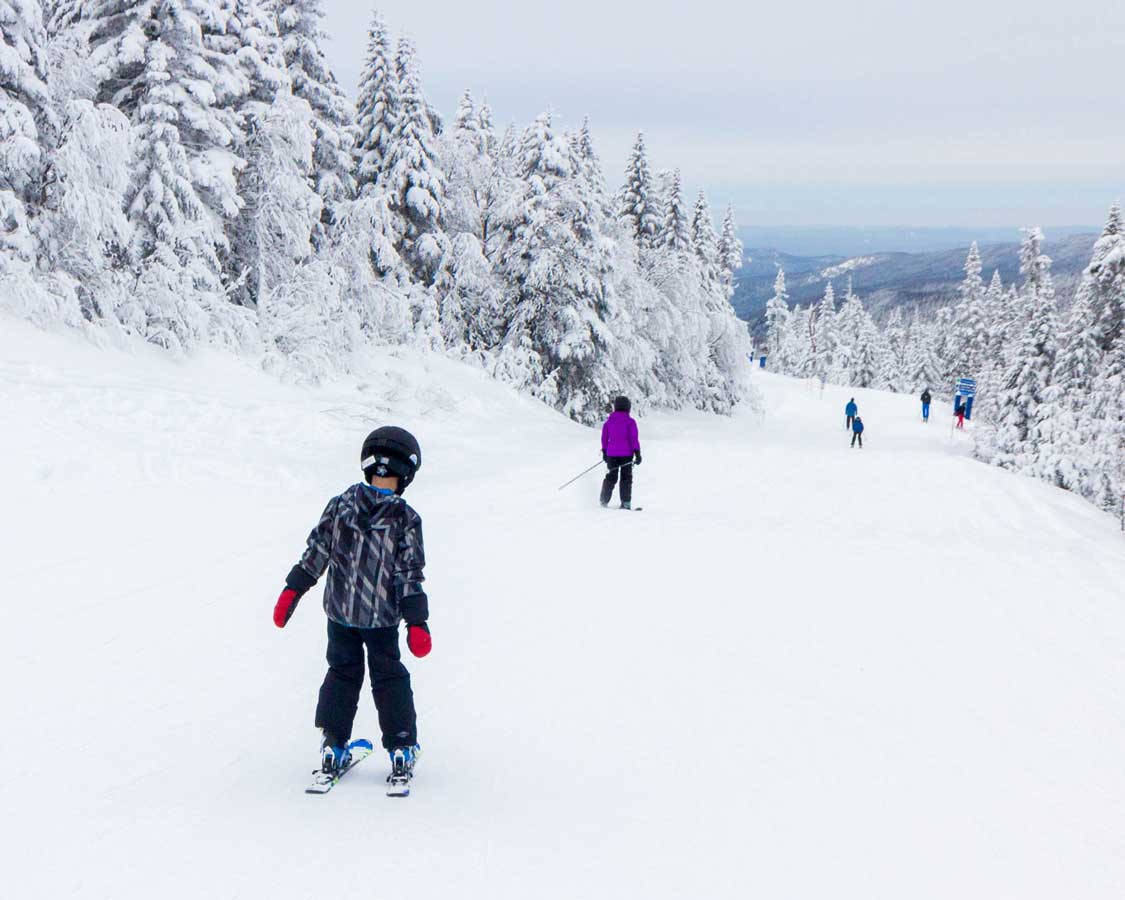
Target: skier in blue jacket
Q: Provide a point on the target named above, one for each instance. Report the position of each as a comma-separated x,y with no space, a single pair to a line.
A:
851,411
857,432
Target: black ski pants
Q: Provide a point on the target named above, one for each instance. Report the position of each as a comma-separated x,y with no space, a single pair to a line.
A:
390,684
623,467
857,436
618,465
848,426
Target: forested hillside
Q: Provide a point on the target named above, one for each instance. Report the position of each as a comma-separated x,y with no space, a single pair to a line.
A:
189,172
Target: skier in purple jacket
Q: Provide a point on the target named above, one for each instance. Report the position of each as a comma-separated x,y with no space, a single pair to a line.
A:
621,451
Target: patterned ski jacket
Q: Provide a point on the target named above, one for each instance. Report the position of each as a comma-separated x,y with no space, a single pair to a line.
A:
370,544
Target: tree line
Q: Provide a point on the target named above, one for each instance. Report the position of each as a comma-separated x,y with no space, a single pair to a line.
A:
190,172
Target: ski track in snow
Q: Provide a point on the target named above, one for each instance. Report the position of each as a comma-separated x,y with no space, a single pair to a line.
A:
807,671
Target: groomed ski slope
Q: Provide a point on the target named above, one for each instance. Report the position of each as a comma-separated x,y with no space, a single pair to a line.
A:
802,672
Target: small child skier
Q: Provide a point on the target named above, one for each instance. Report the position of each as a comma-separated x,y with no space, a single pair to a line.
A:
926,399
369,540
857,432
621,451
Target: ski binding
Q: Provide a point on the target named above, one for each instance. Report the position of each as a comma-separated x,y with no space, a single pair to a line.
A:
323,782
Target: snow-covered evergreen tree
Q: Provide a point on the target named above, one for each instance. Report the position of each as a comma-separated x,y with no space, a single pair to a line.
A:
198,82
1104,281
847,333
730,249
373,279
469,126
923,368
1019,432
87,230
556,330
472,299
777,318
378,108
1106,413
675,232
639,212
414,182
970,328
298,26
868,353
825,342
704,240
995,314
176,241
1062,418
798,341
25,118
893,362
476,185
251,37
307,329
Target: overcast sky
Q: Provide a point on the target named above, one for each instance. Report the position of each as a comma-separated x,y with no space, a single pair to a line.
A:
956,112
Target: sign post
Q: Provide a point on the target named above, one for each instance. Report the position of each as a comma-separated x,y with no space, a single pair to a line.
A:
964,394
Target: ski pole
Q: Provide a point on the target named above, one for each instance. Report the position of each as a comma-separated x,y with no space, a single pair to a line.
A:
591,469
581,474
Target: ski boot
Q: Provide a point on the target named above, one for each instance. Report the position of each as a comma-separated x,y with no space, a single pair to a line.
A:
334,755
402,770
626,504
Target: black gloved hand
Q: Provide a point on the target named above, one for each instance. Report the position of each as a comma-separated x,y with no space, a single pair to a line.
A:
605,457
637,458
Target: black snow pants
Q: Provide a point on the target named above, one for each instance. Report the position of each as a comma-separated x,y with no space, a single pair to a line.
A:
390,683
857,436
622,465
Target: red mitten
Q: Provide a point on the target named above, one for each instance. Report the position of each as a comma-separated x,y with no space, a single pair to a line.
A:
418,639
286,605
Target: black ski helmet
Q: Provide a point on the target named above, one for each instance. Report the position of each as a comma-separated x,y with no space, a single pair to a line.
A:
622,404
391,451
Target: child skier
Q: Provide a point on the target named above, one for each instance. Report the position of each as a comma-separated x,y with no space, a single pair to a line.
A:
857,432
621,451
851,411
959,413
926,398
369,540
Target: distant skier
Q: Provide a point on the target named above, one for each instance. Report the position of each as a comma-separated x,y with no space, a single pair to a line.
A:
926,399
621,451
369,540
857,432
851,411
959,412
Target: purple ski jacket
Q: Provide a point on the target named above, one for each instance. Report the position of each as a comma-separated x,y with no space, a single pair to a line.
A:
619,435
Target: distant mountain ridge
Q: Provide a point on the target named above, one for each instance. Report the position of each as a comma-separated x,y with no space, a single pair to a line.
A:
885,280
848,241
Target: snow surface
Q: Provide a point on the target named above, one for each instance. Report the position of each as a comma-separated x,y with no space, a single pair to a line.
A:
803,671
